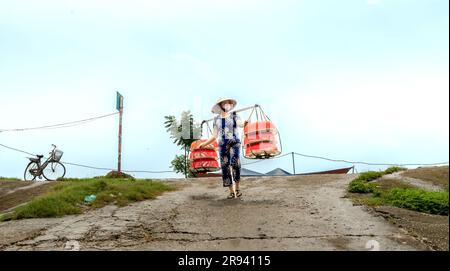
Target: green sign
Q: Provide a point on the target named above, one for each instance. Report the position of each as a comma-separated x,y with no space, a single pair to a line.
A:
119,101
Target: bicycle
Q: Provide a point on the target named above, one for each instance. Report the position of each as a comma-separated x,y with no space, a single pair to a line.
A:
51,169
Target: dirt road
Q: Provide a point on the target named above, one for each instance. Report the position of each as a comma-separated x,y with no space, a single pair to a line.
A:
275,213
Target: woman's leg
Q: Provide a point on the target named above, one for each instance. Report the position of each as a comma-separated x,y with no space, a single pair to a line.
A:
236,164
225,166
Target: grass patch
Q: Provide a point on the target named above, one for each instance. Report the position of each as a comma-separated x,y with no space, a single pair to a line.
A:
394,169
118,175
435,175
366,199
385,184
67,196
361,183
418,200
414,199
20,196
9,179
370,176
396,193
359,186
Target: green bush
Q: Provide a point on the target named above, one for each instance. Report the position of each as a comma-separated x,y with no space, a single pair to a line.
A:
369,176
418,200
9,179
362,185
118,175
359,186
391,170
46,207
67,197
409,198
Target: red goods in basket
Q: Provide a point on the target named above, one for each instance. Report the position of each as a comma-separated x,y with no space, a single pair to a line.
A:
261,149
204,159
205,165
259,126
258,137
212,146
203,154
261,138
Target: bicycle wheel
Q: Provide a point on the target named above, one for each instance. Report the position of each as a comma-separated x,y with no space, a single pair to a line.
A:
54,170
30,171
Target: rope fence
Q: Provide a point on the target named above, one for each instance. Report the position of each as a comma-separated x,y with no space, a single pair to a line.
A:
244,164
83,121
59,125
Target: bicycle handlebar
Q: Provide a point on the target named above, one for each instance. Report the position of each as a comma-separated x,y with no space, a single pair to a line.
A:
54,147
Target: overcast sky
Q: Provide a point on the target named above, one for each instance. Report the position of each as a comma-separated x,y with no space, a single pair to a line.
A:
363,80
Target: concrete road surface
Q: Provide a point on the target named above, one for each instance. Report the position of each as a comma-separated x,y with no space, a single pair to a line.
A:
275,213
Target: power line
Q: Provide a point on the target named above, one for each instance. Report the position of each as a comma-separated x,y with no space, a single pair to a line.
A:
250,163
367,163
300,154
85,166
148,171
110,169
91,167
60,125
14,149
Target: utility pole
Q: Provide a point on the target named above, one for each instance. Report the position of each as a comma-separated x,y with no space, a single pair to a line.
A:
293,162
119,106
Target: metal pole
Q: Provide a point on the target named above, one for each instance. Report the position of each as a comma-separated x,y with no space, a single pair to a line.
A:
293,162
119,162
185,162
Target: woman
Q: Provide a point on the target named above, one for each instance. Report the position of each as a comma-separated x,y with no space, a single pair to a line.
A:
225,130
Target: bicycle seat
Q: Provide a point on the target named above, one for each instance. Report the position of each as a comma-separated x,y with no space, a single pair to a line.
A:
34,159
39,156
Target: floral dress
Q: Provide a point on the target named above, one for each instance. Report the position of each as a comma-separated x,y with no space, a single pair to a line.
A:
226,131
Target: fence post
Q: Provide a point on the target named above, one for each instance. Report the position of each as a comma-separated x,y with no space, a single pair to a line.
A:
185,162
119,162
119,106
293,162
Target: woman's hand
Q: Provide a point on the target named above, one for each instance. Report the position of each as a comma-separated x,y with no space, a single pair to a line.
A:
206,143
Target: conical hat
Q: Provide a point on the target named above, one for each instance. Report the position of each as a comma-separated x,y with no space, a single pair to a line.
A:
216,108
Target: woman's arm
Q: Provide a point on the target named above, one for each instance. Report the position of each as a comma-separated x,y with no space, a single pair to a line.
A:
209,141
212,138
239,122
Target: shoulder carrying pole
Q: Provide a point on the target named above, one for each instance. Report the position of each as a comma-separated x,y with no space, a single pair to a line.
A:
235,111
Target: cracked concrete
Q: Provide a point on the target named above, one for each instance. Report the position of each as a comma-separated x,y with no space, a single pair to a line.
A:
275,213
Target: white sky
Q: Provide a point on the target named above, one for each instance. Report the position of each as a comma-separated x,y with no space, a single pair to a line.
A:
356,79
